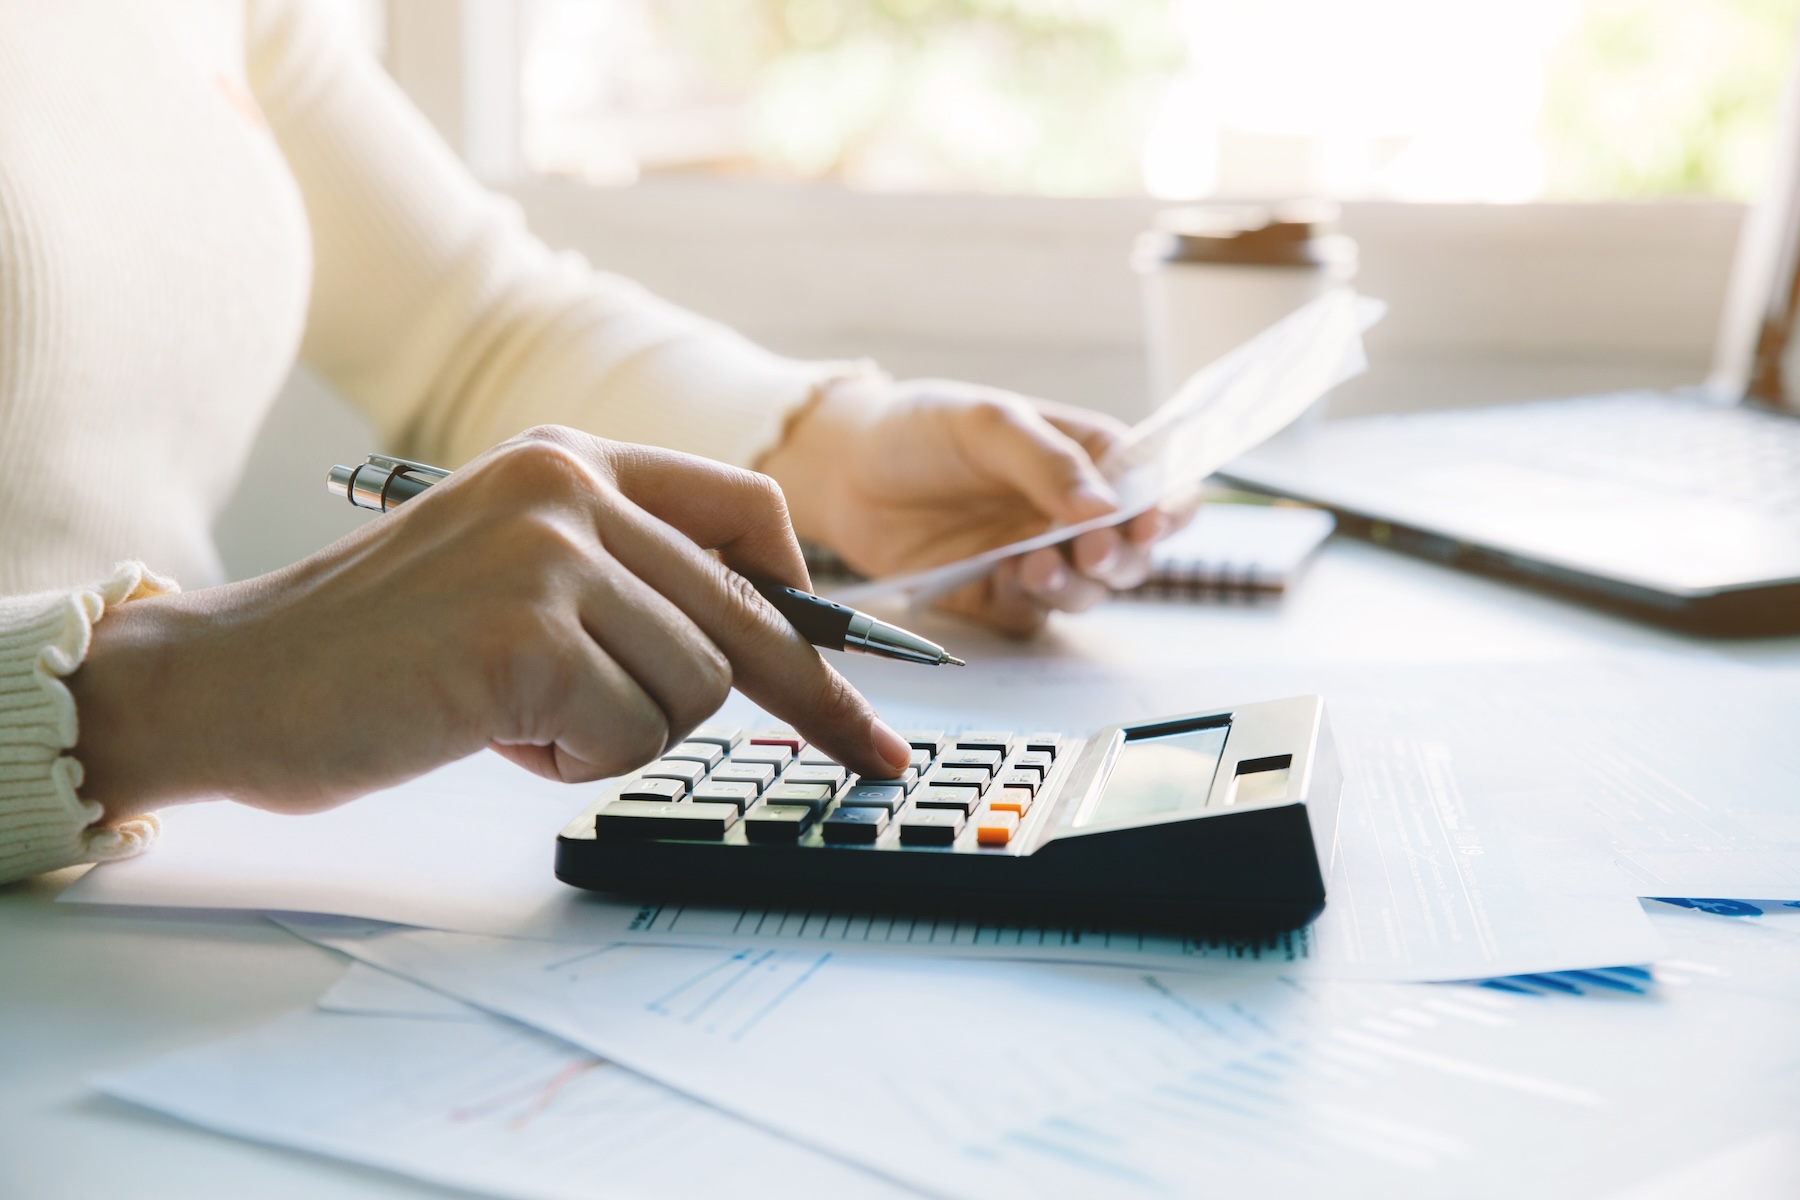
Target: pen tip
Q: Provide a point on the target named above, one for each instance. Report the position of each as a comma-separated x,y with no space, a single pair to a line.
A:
954,661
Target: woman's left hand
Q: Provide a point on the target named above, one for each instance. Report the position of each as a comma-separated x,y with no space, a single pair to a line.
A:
898,477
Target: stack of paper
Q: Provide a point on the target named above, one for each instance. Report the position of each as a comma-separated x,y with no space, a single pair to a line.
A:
988,1080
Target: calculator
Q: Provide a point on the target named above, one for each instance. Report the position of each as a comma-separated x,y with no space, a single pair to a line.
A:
1205,822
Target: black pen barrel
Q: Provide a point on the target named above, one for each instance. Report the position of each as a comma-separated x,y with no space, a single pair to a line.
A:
820,621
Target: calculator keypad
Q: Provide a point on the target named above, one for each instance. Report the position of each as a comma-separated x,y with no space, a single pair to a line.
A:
969,792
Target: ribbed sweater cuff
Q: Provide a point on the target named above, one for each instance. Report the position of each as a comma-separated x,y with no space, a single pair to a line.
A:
44,823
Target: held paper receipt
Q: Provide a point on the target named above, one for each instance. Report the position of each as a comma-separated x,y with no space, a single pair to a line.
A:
1226,409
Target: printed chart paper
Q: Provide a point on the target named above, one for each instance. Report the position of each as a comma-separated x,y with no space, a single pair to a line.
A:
470,1101
987,1079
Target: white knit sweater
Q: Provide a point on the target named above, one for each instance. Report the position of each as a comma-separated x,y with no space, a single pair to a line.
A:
192,192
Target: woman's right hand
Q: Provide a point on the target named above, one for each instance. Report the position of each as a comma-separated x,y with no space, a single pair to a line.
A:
554,599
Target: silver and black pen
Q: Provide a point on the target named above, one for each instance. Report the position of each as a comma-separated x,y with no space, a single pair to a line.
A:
382,482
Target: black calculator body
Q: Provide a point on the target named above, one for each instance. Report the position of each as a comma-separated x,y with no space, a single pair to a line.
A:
1207,822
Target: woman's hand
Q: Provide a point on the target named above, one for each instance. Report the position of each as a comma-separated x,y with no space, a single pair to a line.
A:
554,599
898,477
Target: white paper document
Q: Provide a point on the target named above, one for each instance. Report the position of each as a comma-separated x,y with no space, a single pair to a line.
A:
454,1096
984,1079
1226,409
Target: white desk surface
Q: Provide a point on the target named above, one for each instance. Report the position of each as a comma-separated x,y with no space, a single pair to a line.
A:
83,990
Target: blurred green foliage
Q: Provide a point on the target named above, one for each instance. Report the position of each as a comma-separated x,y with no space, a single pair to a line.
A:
1666,97
1643,98
1046,96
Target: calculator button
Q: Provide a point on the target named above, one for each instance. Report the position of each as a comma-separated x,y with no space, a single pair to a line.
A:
1012,799
652,788
1041,743
777,822
816,758
742,795
688,772
793,741
890,796
813,795
928,740
1026,779
920,759
985,739
1034,760
854,826
777,756
906,782
760,774
995,827
832,776
975,777
988,760
661,819
722,736
704,753
930,827
962,799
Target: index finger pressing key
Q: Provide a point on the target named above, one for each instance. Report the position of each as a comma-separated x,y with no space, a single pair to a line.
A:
771,663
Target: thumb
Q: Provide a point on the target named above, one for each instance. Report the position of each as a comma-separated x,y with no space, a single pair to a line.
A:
1015,445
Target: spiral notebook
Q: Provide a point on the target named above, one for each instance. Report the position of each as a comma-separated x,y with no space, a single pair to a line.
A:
1228,550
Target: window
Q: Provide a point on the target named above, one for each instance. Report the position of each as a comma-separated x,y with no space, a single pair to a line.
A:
1450,100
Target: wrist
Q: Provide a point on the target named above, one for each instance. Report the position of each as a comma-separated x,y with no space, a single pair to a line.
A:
140,740
817,448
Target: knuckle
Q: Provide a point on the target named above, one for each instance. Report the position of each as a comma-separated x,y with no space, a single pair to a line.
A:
535,467
745,612
704,692
642,735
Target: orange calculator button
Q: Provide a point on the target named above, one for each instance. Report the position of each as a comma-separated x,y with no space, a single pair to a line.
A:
1012,800
995,827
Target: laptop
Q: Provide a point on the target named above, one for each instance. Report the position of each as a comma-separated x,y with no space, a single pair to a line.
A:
1681,508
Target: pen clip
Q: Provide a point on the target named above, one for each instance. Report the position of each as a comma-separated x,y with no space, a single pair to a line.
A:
368,485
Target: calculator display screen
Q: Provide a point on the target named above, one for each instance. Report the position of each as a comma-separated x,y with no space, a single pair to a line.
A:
1162,775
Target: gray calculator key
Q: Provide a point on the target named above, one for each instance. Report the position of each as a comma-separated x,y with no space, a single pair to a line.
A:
831,776
813,795
743,795
985,739
853,826
761,774
650,788
962,799
928,740
1034,760
812,757
920,759
687,771
662,819
931,827
989,760
776,756
1041,743
890,796
975,777
1026,779
722,736
777,822
704,753
905,783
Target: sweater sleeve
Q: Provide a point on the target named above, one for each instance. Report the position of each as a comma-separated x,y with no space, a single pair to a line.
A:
44,824
451,326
